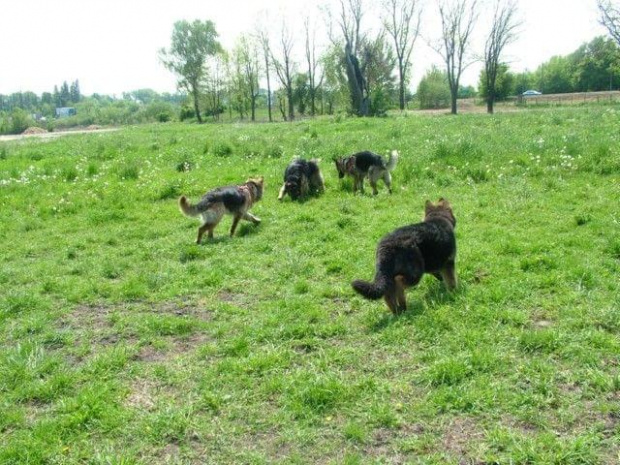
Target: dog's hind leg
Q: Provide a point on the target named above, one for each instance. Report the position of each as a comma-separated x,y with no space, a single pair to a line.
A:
401,300
391,299
235,222
373,184
204,228
387,179
448,272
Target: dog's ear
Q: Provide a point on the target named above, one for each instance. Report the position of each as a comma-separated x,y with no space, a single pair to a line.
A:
444,203
428,205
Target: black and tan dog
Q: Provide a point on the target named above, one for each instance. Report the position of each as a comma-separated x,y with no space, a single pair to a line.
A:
302,177
367,164
405,254
232,200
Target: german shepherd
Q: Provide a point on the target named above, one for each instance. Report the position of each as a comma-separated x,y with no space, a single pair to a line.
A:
405,254
301,178
367,164
233,200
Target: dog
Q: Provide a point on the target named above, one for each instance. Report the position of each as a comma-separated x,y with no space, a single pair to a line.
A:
232,200
301,178
367,164
405,254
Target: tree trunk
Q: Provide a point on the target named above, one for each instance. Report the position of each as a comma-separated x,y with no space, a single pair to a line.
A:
490,105
268,90
401,87
454,93
196,107
291,103
359,105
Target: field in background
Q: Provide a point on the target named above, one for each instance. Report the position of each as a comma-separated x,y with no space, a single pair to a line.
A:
122,342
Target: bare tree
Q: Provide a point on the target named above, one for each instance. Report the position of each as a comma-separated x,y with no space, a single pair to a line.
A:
312,62
457,22
610,17
263,39
349,21
215,84
403,24
284,66
502,33
247,56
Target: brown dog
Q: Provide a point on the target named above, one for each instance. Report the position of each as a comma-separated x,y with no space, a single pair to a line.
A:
232,200
405,254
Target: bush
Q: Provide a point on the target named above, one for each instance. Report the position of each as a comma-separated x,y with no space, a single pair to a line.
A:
433,90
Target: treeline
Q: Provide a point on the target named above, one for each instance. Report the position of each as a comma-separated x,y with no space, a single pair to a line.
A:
21,110
595,66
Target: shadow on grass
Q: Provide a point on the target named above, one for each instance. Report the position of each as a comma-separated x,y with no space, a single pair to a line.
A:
246,229
434,297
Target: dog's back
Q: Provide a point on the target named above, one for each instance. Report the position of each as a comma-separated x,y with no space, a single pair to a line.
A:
365,160
405,254
228,196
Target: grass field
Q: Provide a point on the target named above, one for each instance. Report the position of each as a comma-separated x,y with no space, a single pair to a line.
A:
122,342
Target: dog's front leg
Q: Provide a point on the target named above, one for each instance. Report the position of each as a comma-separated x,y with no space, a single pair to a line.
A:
249,217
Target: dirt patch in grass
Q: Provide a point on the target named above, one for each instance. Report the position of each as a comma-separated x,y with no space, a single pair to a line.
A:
175,347
458,435
142,395
234,297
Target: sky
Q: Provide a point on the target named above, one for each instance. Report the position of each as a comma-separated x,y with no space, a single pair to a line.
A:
111,46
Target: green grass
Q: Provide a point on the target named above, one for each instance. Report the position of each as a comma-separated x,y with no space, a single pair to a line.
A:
122,342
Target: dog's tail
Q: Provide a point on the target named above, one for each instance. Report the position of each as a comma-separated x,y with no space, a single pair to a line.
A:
391,164
187,208
372,290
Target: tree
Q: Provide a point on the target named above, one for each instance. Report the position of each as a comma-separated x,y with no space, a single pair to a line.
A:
595,65
191,44
74,92
349,23
610,18
433,90
247,70
502,33
457,23
215,84
378,65
403,25
312,62
285,66
504,83
263,38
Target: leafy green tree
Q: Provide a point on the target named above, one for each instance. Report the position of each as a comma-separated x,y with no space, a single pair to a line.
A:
596,65
434,90
504,83
191,44
74,92
378,62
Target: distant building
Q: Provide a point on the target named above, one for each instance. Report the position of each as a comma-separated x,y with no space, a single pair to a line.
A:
65,112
